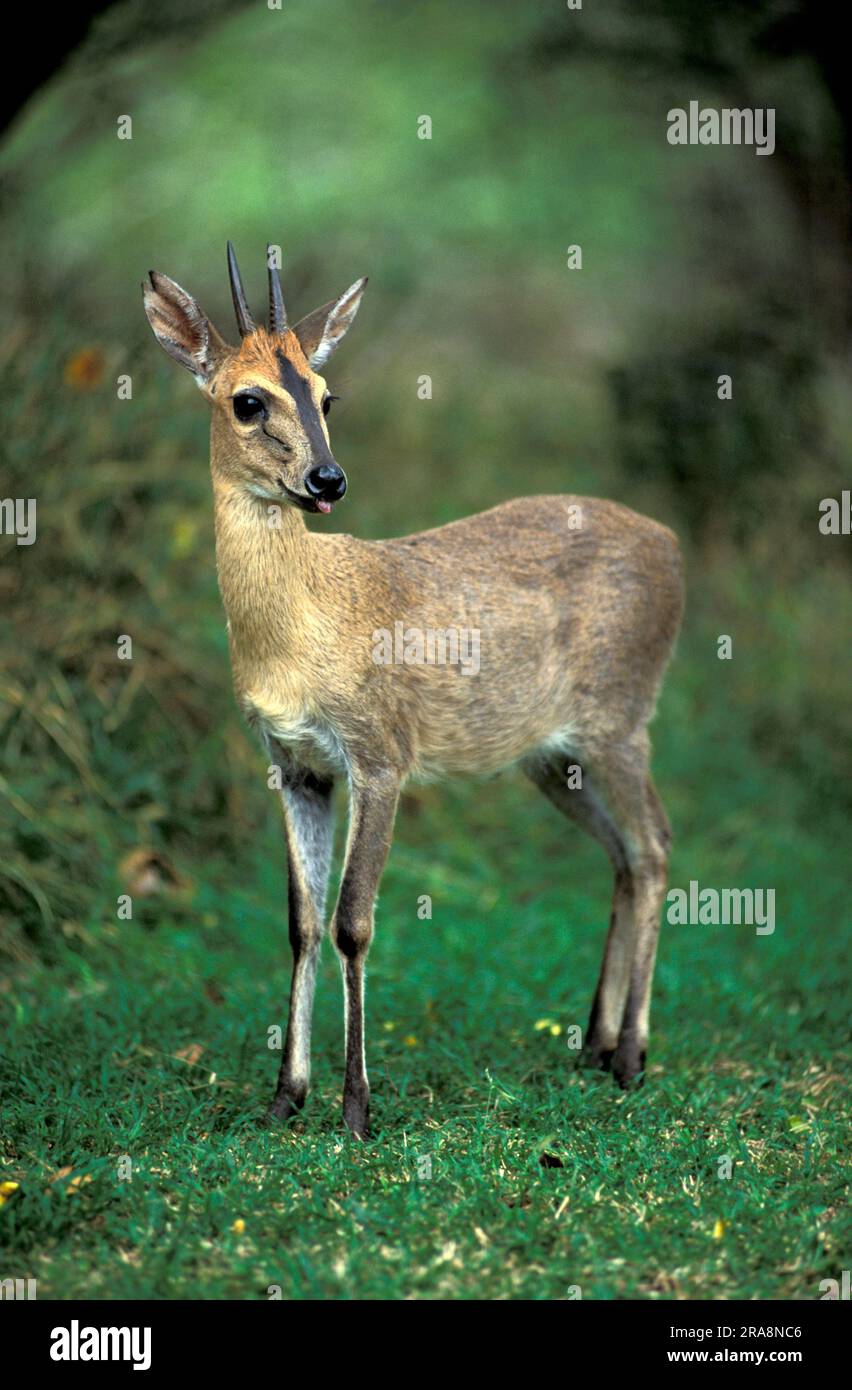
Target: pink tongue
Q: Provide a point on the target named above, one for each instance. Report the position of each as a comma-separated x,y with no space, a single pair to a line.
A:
323,506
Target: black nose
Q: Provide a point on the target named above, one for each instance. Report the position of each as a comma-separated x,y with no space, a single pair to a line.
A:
327,483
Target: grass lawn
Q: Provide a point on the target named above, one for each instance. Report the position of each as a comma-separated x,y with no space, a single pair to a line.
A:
147,1041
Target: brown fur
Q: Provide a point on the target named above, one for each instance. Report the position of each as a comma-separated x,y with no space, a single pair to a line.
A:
576,626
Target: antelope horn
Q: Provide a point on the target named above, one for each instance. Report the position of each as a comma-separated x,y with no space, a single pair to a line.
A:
277,312
245,322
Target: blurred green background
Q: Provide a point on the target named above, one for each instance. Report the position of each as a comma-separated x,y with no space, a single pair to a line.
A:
299,126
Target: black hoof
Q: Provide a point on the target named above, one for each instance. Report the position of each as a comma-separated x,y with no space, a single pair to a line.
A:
628,1068
356,1115
284,1107
596,1058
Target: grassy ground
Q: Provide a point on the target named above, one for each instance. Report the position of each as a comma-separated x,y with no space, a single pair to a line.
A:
154,1048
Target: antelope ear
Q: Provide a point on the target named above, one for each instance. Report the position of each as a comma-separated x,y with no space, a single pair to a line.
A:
181,328
320,332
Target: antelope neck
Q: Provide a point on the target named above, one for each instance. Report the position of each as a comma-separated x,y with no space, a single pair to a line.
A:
266,567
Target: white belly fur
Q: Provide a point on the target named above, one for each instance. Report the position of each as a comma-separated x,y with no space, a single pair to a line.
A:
312,743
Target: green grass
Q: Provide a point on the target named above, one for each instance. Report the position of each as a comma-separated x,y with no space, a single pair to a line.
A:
744,1063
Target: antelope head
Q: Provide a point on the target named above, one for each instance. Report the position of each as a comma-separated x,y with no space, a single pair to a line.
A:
270,402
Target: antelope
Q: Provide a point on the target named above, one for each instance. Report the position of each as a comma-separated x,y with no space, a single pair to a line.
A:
577,602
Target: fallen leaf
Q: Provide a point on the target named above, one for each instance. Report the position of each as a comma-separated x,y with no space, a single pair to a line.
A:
798,1125
85,369
146,873
79,1180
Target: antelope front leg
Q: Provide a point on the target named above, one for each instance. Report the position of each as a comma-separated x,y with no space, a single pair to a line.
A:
309,831
374,802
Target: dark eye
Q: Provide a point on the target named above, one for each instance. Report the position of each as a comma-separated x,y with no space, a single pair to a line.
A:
326,405
247,406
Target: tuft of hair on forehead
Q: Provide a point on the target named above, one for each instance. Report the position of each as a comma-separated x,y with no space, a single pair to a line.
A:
260,351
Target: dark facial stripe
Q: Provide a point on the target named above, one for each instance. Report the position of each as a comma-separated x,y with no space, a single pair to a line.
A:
309,417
